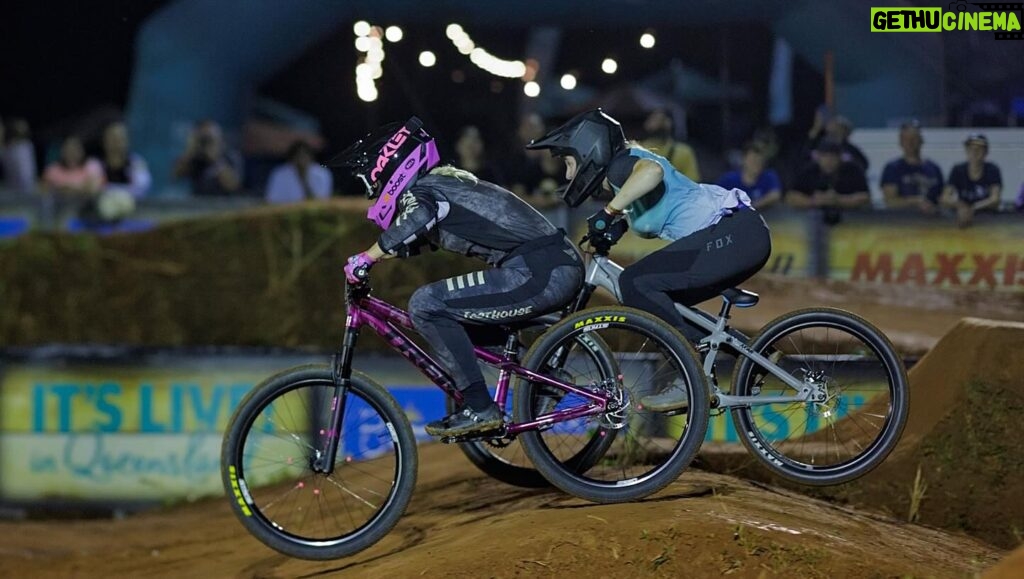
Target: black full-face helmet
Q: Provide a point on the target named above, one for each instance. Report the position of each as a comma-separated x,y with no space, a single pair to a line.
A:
592,138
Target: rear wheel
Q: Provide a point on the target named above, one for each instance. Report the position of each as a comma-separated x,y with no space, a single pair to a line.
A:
840,438
650,449
504,459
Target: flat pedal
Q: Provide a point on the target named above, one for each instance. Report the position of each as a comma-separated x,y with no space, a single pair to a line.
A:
476,436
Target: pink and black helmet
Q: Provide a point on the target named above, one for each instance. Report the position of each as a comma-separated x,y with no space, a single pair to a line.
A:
388,161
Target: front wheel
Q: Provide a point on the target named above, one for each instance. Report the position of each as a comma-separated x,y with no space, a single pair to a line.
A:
650,449
269,449
838,439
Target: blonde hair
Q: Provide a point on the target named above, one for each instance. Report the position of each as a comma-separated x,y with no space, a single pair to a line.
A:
450,171
631,144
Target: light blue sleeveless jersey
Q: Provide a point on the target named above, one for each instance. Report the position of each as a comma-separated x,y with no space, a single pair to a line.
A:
686,206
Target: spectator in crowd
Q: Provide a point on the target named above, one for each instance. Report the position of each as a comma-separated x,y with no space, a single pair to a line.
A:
208,164
762,185
835,128
299,179
974,185
2,142
470,152
1020,199
660,128
829,183
767,141
74,176
73,180
521,169
122,168
911,180
19,158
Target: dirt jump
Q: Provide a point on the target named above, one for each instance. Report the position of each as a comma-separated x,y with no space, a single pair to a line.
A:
463,524
960,464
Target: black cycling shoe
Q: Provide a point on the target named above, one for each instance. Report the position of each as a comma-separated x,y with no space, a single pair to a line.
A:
467,421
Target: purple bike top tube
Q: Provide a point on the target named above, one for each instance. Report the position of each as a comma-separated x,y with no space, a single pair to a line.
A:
381,317
376,313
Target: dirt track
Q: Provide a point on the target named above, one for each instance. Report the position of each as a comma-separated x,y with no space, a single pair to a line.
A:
462,524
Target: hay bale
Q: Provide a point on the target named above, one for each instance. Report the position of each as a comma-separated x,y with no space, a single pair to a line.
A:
265,277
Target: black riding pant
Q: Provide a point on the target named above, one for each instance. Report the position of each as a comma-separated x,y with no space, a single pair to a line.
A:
523,286
697,267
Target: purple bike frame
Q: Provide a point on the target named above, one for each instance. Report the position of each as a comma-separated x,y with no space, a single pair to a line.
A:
385,320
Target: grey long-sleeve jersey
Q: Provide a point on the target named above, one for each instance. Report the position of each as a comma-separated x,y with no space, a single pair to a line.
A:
479,219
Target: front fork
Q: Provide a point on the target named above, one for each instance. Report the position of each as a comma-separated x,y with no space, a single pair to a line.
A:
341,372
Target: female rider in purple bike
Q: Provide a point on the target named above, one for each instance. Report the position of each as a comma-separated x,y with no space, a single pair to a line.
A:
717,239
421,205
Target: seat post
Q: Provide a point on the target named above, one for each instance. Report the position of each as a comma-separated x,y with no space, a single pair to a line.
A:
512,346
726,308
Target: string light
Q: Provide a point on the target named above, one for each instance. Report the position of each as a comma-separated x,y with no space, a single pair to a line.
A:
647,40
568,81
481,58
393,34
609,66
453,31
531,89
369,68
427,59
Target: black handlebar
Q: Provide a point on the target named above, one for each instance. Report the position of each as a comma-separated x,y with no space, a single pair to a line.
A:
602,246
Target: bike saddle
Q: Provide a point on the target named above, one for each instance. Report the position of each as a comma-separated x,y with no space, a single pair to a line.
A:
740,298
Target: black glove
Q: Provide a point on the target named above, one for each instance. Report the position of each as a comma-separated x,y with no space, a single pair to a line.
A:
605,227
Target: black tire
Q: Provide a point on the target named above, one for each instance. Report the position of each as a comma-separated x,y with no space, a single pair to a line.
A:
624,328
510,464
802,459
312,387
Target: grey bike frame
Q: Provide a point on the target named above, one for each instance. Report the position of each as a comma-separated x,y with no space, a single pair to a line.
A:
604,273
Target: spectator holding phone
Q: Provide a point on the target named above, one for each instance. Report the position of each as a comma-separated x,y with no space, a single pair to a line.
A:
832,127
208,164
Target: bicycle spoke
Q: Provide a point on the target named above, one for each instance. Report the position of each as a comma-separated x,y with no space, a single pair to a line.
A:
350,492
837,433
284,489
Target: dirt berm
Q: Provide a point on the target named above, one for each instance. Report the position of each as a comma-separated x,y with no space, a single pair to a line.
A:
963,434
